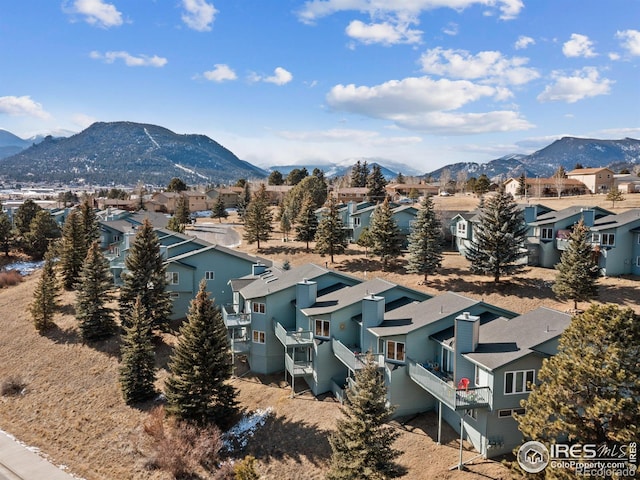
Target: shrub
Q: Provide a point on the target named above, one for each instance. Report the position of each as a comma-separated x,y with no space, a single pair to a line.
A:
10,278
181,448
13,386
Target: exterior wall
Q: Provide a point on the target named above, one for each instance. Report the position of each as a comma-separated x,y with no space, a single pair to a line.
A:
325,367
268,357
404,394
620,259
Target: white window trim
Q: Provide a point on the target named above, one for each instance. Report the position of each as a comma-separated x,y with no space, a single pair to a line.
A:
546,233
258,336
508,412
461,228
595,238
608,239
392,348
258,307
471,412
210,275
356,221
325,327
525,385
173,278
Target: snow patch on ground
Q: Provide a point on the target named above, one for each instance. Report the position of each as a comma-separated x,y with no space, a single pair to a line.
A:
188,170
238,436
151,138
24,268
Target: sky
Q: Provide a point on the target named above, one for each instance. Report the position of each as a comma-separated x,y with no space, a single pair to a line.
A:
421,83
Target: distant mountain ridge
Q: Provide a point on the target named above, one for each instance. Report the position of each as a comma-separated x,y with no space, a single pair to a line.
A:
566,152
125,153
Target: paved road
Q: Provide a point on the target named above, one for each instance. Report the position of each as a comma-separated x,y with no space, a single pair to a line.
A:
217,233
18,463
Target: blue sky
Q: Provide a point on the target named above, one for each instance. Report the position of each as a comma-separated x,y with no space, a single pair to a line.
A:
421,82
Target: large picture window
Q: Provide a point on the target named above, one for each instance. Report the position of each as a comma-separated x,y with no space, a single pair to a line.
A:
520,381
258,307
322,328
395,351
608,239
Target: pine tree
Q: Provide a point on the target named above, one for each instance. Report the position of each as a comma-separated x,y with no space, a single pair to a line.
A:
219,211
589,390
285,222
72,249
6,235
90,225
331,236
244,201
387,242
522,185
145,277
182,213
362,444
306,223
258,217
42,231
137,368
45,296
482,185
425,247
24,215
198,390
497,246
577,272
614,196
366,240
357,180
376,184
174,225
94,293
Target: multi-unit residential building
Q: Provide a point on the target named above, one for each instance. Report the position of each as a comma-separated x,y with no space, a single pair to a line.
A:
469,361
597,180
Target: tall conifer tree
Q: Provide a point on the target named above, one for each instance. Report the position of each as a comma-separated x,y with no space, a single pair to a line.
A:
42,231
219,210
45,296
145,277
331,236
95,291
425,247
89,224
387,243
72,249
376,184
497,247
577,272
307,222
198,389
258,217
137,368
362,444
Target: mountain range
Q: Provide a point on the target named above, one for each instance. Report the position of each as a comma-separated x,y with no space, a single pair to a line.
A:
126,153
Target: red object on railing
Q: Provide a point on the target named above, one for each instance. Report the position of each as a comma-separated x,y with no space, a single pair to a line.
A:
463,384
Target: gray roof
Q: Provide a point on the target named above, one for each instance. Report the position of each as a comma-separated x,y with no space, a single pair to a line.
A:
503,341
416,315
344,297
276,281
221,249
556,216
617,220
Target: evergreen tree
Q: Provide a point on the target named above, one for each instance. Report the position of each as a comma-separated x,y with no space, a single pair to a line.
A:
577,272
614,196
72,249
198,389
24,215
174,225
6,235
400,178
219,211
413,194
522,185
376,184
95,291
497,246
182,213
482,185
306,223
366,240
311,187
137,368
362,444
243,201
257,222
296,175
331,236
89,225
145,276
176,185
45,296
285,221
275,178
589,390
356,176
387,242
42,230
425,247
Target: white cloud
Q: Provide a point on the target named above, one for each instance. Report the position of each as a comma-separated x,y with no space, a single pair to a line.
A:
580,85
490,66
423,104
82,120
130,60
199,14
22,106
315,9
96,12
524,42
578,46
280,77
385,33
630,40
451,28
614,56
220,73
363,137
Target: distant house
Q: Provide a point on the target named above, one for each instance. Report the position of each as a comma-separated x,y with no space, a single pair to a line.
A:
398,191
229,195
350,194
627,183
597,180
197,201
545,187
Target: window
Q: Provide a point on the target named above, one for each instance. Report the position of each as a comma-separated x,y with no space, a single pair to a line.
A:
595,238
322,328
546,233
518,382
116,238
209,276
258,336
473,413
173,278
509,412
395,351
356,221
258,307
462,228
477,375
447,360
174,295
608,239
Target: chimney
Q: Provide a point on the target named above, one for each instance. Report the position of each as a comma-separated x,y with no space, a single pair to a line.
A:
351,207
372,316
258,269
306,293
466,335
589,217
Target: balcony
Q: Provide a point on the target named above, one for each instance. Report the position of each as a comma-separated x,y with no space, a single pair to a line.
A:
299,338
444,391
339,388
353,360
297,368
234,319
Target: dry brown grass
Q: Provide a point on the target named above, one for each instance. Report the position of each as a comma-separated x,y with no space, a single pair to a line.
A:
72,408
10,278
